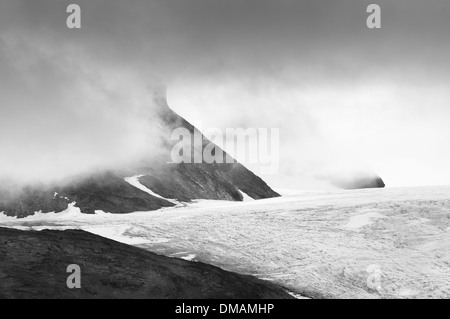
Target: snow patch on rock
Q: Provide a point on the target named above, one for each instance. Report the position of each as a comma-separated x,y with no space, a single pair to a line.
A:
245,197
134,181
189,257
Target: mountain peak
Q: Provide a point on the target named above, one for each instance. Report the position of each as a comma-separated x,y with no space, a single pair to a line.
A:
111,192
159,94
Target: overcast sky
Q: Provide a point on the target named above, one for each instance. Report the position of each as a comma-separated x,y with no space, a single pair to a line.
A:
345,98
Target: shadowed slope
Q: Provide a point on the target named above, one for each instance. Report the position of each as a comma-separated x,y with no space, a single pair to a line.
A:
33,265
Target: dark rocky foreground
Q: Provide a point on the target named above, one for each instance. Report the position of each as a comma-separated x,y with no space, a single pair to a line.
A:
33,265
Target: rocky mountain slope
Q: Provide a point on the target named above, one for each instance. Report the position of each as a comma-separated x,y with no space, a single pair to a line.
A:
34,264
110,192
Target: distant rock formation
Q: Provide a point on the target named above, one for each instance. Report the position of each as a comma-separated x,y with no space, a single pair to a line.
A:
34,263
359,181
108,191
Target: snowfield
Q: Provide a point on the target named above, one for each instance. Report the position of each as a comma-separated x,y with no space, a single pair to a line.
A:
374,243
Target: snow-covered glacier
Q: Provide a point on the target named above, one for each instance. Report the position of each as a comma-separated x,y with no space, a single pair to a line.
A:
372,243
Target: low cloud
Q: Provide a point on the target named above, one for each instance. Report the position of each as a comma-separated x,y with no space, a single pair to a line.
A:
344,97
60,116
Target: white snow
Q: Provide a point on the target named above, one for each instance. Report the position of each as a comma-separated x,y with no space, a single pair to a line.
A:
296,296
189,257
122,234
319,242
245,197
69,214
134,181
362,220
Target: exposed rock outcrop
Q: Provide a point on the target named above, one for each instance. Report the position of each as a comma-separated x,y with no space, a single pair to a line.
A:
359,182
